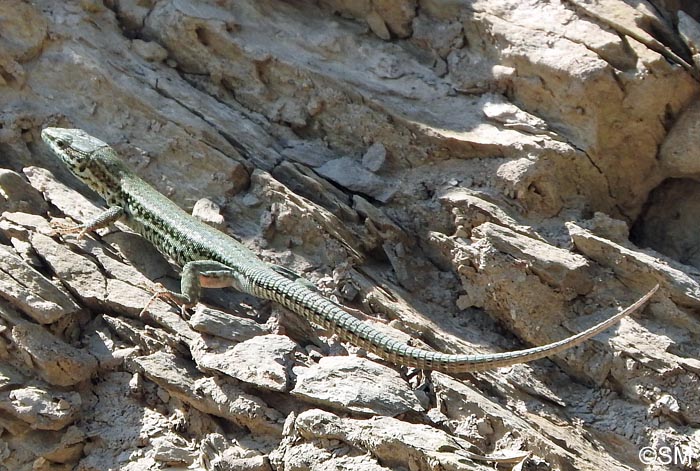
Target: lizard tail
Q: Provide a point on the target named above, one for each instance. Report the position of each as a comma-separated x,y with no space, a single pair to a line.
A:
319,310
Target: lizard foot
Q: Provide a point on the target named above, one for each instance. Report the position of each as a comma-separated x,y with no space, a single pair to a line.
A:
161,292
63,228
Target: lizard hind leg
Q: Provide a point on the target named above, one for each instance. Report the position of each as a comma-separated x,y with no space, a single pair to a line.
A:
161,292
196,275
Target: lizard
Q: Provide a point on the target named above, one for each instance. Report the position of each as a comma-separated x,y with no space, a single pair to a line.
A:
211,259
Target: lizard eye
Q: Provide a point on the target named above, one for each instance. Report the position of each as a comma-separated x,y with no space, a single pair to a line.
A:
62,143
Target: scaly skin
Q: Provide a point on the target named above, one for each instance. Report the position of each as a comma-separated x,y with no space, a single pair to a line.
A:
213,259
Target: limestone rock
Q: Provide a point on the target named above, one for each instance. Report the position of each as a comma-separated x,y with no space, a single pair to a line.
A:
41,408
354,384
554,266
418,162
214,322
31,292
56,362
17,195
263,360
222,399
347,173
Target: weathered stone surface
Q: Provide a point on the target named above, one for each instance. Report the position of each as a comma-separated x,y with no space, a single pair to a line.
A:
668,223
20,225
65,446
349,174
556,267
81,275
541,112
30,291
207,211
219,452
68,200
301,220
17,195
149,50
638,267
375,157
480,421
264,360
678,153
471,211
340,458
689,30
140,254
219,398
170,450
54,360
393,442
10,377
354,384
303,181
221,324
41,408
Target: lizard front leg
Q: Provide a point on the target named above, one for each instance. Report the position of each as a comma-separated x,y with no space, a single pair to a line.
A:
103,219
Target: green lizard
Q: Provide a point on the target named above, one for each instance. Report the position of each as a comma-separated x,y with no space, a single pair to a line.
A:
212,259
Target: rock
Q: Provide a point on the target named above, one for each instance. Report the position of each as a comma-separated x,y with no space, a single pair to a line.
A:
471,210
667,224
297,216
10,377
263,360
374,158
612,229
689,30
31,292
463,405
377,25
140,253
64,446
132,14
397,15
377,223
303,181
209,212
555,266
41,408
81,275
221,324
638,267
677,154
56,362
69,201
441,37
354,384
393,442
219,398
220,453
347,173
312,153
151,51
510,116
116,268
531,114
17,195
172,450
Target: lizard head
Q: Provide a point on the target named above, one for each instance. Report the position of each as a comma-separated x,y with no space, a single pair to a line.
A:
73,146
88,158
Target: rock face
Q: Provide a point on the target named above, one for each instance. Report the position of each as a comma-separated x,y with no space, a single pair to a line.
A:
487,175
